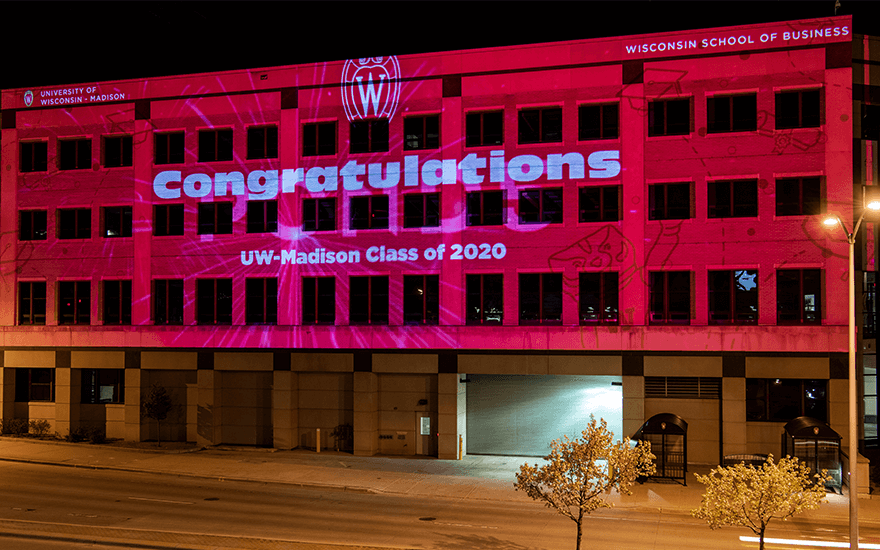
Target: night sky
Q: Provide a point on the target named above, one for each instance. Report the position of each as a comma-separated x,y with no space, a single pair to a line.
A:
50,44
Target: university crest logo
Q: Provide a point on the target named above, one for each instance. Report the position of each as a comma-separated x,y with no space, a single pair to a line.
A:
370,87
28,98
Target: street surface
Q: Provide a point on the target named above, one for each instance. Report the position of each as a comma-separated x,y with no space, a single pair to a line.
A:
156,511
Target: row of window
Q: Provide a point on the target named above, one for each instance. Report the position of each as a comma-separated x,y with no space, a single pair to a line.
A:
732,113
733,299
774,399
726,199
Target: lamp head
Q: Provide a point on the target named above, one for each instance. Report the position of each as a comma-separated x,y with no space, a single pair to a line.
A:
831,221
872,197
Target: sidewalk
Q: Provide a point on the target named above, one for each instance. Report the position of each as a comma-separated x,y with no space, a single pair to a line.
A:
474,477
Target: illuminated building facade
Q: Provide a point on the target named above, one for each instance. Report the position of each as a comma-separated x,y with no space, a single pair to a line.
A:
470,250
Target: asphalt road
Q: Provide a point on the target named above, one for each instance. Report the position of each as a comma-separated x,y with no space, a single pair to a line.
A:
155,511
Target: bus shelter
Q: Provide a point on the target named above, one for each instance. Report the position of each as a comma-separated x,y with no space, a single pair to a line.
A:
816,444
667,434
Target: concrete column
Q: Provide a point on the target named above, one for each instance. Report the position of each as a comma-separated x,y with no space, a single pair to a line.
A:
67,393
133,380
7,392
285,409
366,414
208,420
633,404
733,408
447,415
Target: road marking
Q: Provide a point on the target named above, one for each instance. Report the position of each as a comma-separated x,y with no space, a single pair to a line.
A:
160,500
820,543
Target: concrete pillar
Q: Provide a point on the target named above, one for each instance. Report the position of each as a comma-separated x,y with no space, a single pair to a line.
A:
208,421
733,410
7,392
366,414
67,397
285,409
447,415
633,404
133,380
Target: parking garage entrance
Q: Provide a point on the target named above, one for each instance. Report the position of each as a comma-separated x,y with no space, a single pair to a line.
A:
519,415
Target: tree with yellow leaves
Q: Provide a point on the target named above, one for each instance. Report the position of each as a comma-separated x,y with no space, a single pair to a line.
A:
750,497
578,472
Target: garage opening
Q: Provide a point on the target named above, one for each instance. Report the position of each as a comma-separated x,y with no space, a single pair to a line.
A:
519,415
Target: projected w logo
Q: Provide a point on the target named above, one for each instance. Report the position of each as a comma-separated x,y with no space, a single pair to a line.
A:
370,87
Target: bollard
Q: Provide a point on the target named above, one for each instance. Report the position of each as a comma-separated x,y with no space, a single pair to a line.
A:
318,441
460,446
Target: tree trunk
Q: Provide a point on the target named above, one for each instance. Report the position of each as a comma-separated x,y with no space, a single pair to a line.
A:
761,543
578,546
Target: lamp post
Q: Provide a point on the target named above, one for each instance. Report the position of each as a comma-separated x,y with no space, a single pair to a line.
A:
870,201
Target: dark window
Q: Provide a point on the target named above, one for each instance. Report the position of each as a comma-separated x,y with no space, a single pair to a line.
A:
102,386
484,129
540,125
598,121
261,301
169,148
75,223
782,399
262,142
540,298
670,297
369,136
319,300
736,113
214,301
599,204
168,302
117,302
74,302
798,296
540,205
421,210
34,385
598,298
733,297
262,216
733,199
34,155
32,225
798,196
421,299
669,201
215,145
871,122
799,109
319,138
74,154
32,303
117,221
215,218
368,300
117,151
421,132
369,212
485,299
167,219
485,208
319,214
671,117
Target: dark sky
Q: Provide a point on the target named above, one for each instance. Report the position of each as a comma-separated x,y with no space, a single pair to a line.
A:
52,43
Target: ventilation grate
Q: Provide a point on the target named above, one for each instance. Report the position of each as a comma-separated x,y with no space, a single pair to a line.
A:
683,387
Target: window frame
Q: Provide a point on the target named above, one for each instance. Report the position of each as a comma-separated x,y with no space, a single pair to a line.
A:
317,206
80,155
170,228
661,128
312,145
724,113
25,385
815,119
125,145
315,310
209,218
213,303
544,215
603,211
482,215
82,222
263,146
377,136
527,289
113,214
800,207
784,286
219,147
170,154
425,216
480,140
546,129
421,299
167,299
92,380
261,301
419,137
116,306
377,300
483,298
36,305
761,407
608,297
604,131
38,160
373,206
734,300
740,196
659,294
37,226
79,311
262,216
665,215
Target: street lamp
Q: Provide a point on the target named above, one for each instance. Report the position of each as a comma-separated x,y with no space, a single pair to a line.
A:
870,201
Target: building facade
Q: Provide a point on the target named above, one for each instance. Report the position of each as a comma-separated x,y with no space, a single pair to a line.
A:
466,251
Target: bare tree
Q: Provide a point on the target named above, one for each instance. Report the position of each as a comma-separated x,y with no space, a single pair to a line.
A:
578,472
750,497
156,405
